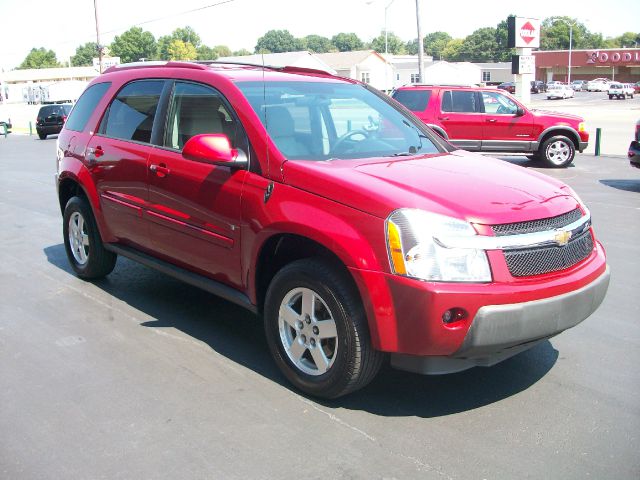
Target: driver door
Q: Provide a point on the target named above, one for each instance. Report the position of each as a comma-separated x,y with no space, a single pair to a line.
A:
194,207
503,129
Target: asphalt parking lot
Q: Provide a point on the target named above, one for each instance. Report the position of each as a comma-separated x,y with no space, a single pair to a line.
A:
140,376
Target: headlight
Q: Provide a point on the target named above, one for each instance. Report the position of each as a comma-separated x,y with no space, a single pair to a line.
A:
415,252
582,127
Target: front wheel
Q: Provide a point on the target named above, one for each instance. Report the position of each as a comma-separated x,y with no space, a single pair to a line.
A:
558,151
82,242
317,330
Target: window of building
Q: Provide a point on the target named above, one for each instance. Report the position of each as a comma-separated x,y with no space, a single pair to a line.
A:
415,78
365,77
486,76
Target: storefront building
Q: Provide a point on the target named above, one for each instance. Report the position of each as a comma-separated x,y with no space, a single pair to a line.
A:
621,64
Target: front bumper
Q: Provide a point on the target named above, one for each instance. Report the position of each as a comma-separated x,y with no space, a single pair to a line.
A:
501,331
582,146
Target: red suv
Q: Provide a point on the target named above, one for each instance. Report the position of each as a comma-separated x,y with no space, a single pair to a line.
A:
489,120
353,230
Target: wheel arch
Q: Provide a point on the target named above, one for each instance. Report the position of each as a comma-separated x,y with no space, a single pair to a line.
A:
564,130
283,248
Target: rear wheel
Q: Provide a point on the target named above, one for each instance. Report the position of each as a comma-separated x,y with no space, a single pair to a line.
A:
558,151
42,136
317,330
82,242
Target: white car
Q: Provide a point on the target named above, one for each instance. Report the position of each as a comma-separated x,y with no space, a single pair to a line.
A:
598,85
620,90
559,91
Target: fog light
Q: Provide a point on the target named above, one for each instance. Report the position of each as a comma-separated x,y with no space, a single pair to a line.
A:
454,314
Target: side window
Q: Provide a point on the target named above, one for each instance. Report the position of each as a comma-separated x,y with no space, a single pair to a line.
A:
497,104
460,101
197,109
130,115
85,106
414,100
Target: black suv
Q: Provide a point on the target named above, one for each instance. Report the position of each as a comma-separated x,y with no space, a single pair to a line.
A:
51,118
538,86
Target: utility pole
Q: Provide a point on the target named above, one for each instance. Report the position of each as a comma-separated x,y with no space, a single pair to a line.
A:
420,46
95,9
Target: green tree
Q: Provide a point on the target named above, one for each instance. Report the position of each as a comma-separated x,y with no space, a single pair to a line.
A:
85,54
435,43
453,51
628,39
503,53
555,35
133,45
162,47
222,51
277,41
39,58
480,46
394,44
241,53
179,50
187,35
206,53
347,42
317,44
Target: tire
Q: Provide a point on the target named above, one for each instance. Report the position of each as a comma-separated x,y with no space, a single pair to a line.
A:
43,136
325,352
558,151
82,242
610,97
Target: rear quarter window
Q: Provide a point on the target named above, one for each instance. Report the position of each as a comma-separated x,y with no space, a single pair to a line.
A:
414,100
85,106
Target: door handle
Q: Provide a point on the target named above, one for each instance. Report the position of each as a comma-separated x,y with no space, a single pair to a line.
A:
443,118
492,120
93,154
160,170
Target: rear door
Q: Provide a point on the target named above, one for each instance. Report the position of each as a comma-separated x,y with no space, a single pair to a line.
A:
194,207
119,153
503,129
462,118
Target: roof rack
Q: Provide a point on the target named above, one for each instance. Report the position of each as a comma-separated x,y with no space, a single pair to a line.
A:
155,64
203,64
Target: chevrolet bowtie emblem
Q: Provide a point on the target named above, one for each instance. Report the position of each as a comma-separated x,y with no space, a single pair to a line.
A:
562,238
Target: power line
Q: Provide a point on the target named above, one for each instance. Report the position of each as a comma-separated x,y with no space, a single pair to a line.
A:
170,16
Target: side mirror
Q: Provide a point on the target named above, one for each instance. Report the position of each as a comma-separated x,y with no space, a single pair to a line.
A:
519,112
213,148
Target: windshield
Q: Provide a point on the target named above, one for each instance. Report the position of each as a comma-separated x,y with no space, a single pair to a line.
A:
327,120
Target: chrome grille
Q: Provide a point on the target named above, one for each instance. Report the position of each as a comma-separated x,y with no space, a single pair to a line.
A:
537,225
536,261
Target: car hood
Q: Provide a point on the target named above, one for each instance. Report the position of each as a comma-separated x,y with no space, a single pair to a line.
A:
557,115
460,184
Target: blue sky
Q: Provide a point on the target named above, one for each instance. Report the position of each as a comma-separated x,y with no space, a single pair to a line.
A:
64,24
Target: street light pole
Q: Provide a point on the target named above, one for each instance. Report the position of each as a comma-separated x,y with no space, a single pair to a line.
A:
386,38
570,41
420,46
95,9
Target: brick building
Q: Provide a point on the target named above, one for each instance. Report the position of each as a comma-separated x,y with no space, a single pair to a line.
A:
622,64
